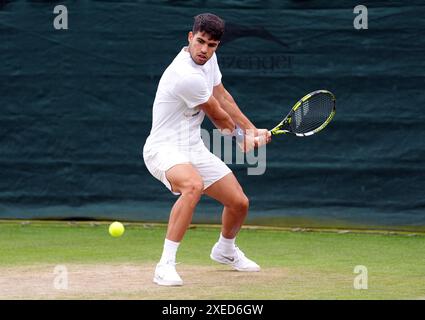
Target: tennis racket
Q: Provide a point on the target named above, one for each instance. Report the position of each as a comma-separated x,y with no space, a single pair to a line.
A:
311,114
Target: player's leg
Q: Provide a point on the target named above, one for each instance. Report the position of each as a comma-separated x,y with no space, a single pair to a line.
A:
228,191
184,179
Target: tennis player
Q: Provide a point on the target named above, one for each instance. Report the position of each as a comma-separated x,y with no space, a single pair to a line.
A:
175,154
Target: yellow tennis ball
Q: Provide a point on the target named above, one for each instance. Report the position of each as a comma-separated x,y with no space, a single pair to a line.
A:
116,229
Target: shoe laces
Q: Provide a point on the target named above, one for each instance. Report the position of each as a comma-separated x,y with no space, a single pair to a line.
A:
239,252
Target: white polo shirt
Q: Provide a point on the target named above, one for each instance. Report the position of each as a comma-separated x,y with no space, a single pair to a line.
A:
184,85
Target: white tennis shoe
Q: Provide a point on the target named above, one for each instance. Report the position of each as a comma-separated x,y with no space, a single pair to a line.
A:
236,259
166,274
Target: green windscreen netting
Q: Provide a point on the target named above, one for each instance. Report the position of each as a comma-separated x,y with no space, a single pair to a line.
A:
76,107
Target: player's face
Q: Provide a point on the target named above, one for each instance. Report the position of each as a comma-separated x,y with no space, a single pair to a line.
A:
201,47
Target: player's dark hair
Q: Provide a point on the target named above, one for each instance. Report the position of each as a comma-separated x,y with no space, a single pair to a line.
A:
210,24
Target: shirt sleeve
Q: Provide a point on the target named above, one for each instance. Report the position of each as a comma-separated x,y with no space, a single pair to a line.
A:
217,72
193,90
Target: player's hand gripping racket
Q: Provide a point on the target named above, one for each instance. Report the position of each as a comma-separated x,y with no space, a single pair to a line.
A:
311,114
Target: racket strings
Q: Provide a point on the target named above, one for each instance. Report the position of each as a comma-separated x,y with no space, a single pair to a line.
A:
312,113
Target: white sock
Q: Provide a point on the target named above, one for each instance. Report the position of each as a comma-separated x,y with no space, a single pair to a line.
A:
169,251
227,245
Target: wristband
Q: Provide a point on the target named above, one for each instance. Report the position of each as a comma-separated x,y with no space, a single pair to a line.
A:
239,134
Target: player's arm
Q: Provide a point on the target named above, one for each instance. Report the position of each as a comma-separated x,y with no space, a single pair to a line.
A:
229,105
221,119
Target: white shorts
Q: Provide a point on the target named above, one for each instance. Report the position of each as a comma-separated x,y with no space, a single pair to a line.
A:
158,160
